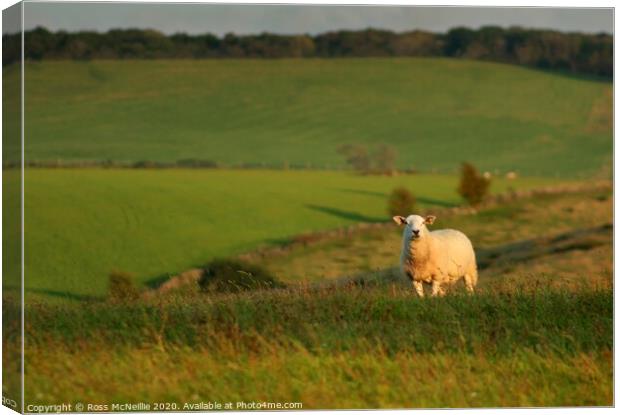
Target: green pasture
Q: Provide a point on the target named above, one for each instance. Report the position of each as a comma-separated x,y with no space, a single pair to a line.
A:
532,335
80,224
435,112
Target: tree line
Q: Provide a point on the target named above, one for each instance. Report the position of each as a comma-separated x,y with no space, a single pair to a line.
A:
546,49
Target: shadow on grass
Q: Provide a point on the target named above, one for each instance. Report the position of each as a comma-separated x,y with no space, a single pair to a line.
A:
156,282
525,250
345,214
64,294
571,75
426,200
279,241
365,192
435,202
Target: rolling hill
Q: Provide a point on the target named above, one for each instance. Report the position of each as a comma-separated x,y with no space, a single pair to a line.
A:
81,224
538,332
435,112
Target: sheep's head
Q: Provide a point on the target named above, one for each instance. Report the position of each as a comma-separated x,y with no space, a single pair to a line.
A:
415,225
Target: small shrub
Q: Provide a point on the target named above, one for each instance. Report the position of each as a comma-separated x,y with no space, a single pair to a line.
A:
197,163
144,164
401,202
227,275
122,286
473,187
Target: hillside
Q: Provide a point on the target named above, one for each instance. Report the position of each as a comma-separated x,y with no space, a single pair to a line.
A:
83,224
538,331
435,112
544,237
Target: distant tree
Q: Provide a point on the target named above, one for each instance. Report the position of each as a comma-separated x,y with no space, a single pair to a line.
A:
356,156
458,40
38,42
401,202
11,48
473,186
574,52
385,159
79,50
416,43
197,163
302,46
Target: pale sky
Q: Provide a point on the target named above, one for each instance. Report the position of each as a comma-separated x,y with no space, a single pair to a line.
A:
288,19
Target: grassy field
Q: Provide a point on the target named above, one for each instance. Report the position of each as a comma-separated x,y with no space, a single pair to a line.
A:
538,331
82,224
346,331
436,112
495,232
328,348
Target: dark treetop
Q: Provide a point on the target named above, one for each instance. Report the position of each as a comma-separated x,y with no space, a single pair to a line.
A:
578,53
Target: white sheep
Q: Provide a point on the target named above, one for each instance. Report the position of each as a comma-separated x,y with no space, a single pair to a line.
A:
439,258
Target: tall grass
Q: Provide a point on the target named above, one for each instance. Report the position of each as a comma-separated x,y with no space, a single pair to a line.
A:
336,318
328,348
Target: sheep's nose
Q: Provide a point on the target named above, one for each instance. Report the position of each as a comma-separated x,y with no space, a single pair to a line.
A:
416,232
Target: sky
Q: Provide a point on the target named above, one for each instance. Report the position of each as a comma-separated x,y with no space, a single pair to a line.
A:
289,19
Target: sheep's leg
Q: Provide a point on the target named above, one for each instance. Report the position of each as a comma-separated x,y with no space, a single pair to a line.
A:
437,290
469,283
419,288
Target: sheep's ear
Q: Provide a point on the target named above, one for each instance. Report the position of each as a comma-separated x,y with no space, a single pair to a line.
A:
400,220
430,219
